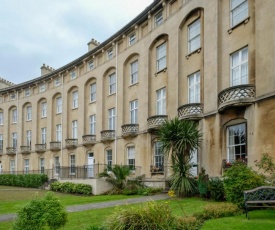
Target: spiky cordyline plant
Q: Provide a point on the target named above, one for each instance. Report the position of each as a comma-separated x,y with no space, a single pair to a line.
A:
180,138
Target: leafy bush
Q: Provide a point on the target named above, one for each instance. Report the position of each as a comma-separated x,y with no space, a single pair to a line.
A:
188,223
203,181
69,187
214,211
41,214
216,189
25,180
144,191
238,178
267,165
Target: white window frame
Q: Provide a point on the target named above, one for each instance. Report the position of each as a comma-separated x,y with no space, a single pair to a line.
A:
59,105
161,101
1,142
42,87
194,36
43,109
43,135
161,57
93,92
27,92
56,165
73,74
112,119
1,118
14,139
28,137
41,165
93,124
134,112
159,18
12,96
58,132
57,81
236,132
194,88
12,166
14,116
158,155
239,70
75,100
132,39
131,159
134,72
109,157
238,11
110,54
72,164
91,65
112,83
74,129
28,113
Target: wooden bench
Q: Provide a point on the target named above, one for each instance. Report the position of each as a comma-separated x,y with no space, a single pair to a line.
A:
260,197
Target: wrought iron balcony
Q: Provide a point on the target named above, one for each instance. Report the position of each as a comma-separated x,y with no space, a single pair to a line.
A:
108,135
154,122
71,143
236,96
11,151
88,140
40,148
25,149
130,130
55,145
192,111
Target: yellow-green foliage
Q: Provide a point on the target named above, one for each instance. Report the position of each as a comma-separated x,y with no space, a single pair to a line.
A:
188,223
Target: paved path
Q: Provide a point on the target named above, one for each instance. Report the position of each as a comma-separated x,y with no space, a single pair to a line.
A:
84,207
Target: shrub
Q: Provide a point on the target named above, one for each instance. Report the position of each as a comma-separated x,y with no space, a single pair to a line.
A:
238,178
216,189
41,214
203,181
25,180
267,165
188,223
69,187
214,211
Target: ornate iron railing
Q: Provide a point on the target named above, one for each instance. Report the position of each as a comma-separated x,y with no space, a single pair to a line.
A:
236,96
55,145
130,130
11,150
190,111
71,143
25,149
155,122
108,135
88,140
40,148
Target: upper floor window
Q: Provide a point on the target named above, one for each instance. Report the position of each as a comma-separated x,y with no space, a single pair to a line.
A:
194,36
158,18
93,92
13,96
59,105
43,135
44,109
74,129
1,118
131,157
110,54
134,72
14,116
73,74
239,11
14,140
92,124
27,92
161,101
134,112
57,81
75,99
112,83
42,87
58,132
28,137
132,39
29,113
91,65
194,88
112,116
161,57
239,67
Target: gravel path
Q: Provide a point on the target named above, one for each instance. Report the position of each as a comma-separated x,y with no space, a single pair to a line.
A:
84,207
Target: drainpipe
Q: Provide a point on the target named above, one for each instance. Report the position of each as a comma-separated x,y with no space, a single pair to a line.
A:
16,164
116,110
61,144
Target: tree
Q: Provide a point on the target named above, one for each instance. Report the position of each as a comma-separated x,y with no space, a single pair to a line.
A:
180,138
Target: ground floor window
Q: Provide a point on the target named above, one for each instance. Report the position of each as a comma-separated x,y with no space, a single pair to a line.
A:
72,164
41,165
56,166
131,157
109,159
236,142
158,157
26,166
12,166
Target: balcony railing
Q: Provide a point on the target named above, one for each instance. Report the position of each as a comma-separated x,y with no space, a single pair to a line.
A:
55,145
71,143
108,135
40,148
192,111
88,140
240,95
155,122
11,151
130,130
25,149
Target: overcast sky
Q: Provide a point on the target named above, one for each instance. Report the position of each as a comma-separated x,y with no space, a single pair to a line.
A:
56,32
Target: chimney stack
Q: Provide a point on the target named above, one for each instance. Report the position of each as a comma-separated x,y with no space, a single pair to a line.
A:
92,44
46,69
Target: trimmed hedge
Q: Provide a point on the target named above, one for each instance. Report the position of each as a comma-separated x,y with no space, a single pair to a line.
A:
69,187
24,180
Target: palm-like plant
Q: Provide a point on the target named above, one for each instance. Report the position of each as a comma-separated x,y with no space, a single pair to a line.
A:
180,138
